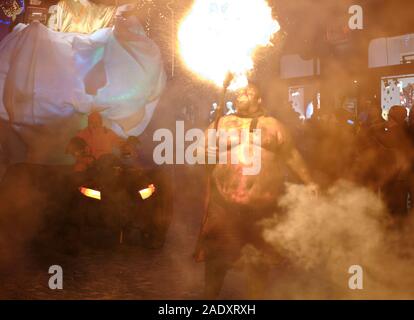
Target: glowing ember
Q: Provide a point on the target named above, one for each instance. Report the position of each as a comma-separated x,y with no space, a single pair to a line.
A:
219,36
148,192
90,193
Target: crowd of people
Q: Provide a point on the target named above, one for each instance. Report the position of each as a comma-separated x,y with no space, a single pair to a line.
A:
365,149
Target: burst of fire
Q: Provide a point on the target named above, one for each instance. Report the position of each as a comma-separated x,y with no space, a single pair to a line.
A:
221,36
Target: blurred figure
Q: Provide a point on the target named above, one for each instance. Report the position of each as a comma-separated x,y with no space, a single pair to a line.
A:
396,166
79,149
397,118
292,120
12,147
366,170
213,111
366,111
329,141
100,140
411,123
130,154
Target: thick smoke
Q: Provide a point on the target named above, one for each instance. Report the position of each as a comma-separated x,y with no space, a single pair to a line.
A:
324,236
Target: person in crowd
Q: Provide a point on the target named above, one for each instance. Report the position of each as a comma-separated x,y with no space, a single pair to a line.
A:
329,146
79,149
365,169
411,123
394,140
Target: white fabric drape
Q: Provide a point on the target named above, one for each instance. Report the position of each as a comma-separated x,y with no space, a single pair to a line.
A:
44,76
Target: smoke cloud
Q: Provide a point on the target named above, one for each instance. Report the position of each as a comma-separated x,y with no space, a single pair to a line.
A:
322,237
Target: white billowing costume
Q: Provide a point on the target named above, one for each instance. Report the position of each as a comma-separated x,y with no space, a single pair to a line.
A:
48,79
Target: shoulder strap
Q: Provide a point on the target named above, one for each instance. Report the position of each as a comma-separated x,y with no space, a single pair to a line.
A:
253,124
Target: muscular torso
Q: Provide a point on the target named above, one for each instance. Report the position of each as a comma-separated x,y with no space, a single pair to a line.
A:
264,188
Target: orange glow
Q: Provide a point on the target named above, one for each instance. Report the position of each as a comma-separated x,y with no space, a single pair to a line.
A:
244,154
148,192
90,193
221,36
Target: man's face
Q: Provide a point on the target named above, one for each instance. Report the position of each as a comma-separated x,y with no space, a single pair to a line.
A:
246,97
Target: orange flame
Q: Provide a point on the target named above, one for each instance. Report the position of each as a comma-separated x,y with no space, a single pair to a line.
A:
221,36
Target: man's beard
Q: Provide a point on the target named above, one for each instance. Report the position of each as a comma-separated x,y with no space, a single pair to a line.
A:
250,111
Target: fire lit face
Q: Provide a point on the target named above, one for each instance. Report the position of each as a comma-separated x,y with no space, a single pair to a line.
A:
247,98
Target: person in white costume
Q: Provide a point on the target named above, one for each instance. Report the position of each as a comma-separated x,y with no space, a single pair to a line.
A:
50,80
